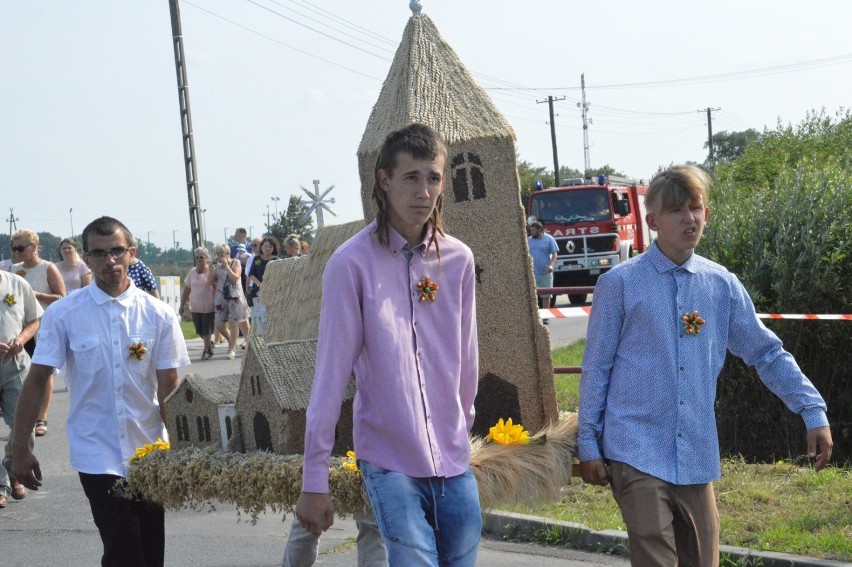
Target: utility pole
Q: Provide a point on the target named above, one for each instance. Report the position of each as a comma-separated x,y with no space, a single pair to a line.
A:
549,102
584,108
711,157
12,220
195,221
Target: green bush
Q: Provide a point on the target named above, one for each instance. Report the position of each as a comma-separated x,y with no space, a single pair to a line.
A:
779,220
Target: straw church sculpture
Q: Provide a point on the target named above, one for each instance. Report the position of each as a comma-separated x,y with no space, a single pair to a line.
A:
201,412
426,83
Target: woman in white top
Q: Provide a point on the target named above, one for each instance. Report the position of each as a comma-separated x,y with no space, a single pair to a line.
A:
75,273
48,285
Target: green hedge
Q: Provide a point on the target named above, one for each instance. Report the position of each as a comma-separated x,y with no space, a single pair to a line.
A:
780,220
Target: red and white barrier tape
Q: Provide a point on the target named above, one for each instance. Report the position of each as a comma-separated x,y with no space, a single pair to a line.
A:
567,312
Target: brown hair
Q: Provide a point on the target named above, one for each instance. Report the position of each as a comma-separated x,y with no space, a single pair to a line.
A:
271,240
106,226
677,186
422,142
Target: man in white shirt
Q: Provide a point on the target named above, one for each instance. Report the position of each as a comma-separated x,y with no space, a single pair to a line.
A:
19,320
122,348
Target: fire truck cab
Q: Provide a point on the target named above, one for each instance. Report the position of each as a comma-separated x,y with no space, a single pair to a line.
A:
596,223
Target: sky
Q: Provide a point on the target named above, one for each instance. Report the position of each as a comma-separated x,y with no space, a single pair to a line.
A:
281,90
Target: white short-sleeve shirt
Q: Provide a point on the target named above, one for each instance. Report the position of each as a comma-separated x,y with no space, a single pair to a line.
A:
113,394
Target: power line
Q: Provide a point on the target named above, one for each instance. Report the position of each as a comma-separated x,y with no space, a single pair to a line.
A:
298,23
351,25
734,75
279,42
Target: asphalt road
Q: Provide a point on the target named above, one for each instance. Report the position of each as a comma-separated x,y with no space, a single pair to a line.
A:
53,527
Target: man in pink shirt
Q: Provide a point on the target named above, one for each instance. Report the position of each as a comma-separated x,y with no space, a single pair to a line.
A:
399,308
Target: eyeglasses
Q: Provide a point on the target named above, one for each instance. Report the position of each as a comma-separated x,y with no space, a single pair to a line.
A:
20,249
115,253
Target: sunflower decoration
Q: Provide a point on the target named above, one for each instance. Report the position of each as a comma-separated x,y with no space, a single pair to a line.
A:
692,323
22,273
350,463
507,433
10,299
427,288
137,350
158,445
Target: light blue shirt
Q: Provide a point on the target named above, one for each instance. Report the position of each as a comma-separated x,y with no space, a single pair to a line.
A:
540,250
648,389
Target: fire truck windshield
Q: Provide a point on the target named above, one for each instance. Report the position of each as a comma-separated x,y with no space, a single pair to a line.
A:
577,205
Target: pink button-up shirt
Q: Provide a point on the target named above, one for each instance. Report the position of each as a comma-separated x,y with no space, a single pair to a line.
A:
416,362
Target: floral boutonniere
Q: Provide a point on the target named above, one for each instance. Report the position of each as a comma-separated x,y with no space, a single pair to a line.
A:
427,289
257,262
10,299
692,323
22,273
137,350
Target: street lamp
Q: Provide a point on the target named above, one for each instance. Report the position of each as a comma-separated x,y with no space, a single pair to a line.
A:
275,200
70,213
204,220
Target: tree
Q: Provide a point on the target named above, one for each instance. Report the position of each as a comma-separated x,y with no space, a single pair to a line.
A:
730,145
294,220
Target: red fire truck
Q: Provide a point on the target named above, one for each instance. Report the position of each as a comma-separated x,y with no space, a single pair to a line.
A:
597,223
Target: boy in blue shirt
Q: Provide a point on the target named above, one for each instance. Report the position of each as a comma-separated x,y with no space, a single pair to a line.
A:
658,334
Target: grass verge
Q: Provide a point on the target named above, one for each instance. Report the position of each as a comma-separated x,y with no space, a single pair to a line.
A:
188,329
780,507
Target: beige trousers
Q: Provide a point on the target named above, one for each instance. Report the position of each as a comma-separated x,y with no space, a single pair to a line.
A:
668,525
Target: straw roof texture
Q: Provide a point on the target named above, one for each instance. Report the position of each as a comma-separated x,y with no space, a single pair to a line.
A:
292,288
218,389
428,83
289,370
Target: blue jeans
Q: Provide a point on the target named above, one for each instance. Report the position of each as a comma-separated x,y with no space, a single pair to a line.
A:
431,521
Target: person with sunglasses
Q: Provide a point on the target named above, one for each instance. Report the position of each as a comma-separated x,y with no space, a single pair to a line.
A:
122,348
47,283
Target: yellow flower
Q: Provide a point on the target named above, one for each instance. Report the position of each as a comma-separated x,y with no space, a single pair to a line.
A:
508,433
158,445
10,299
350,463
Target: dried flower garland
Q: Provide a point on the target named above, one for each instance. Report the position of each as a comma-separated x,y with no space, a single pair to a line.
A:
137,350
692,323
10,299
257,482
427,288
